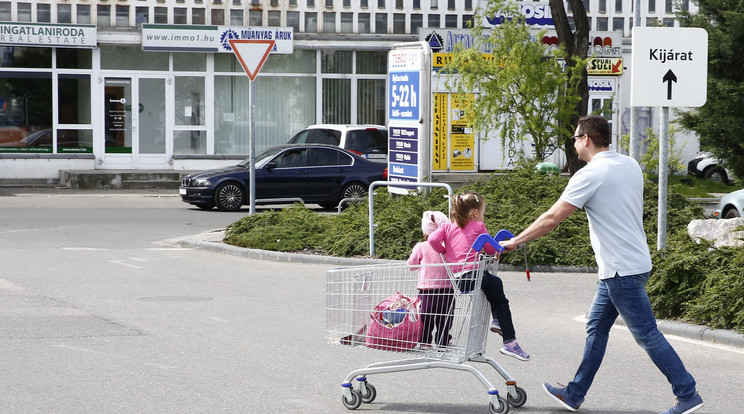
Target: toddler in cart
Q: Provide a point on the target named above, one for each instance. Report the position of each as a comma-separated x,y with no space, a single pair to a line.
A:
453,240
434,286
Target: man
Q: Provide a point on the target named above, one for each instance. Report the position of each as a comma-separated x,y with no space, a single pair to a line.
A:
610,189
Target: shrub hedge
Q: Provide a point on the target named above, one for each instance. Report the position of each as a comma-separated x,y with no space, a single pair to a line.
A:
689,281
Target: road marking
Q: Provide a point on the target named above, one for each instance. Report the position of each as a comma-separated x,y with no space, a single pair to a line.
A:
582,319
123,263
92,249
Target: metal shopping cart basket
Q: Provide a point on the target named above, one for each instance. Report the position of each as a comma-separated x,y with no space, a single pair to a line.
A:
377,307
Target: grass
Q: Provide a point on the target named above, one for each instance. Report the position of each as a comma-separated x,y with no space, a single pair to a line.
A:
693,187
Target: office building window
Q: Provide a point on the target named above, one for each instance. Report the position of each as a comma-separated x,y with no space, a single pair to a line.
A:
329,22
450,4
618,23
433,20
293,20
434,4
602,6
180,15
468,4
311,22
381,20
310,3
122,16
236,17
417,4
652,6
668,21
103,15
399,4
255,18
83,13
141,15
399,23
450,21
618,6
198,16
417,21
217,16
363,23
347,22
44,13
64,13
602,23
161,15
5,11
274,18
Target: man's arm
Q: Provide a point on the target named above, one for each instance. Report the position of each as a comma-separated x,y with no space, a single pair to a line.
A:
544,224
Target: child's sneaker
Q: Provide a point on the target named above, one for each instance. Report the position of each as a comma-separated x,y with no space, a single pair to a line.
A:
684,407
495,327
513,349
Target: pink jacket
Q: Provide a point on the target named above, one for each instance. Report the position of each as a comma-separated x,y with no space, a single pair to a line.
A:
433,277
454,242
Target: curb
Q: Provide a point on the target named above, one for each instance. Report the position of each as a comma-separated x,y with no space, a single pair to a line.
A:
212,241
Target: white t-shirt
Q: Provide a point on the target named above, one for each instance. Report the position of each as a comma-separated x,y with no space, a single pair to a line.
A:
610,189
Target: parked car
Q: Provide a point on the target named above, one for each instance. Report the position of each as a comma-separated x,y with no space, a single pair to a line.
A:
705,165
315,173
368,141
731,205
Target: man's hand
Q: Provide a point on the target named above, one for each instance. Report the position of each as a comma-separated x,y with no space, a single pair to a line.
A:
509,245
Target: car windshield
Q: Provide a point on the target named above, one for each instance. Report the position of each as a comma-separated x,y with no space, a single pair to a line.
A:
263,157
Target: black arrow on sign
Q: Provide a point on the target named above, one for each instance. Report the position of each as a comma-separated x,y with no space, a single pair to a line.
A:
669,77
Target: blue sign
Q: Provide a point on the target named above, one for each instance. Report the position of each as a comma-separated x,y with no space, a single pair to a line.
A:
534,13
405,93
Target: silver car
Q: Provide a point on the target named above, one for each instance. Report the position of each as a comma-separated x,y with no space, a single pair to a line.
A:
731,205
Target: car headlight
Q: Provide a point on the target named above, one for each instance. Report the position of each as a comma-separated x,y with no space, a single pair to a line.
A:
201,182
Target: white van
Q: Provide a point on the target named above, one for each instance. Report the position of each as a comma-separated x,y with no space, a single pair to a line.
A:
368,141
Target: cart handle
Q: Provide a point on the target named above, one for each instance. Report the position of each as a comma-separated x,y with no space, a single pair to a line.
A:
486,238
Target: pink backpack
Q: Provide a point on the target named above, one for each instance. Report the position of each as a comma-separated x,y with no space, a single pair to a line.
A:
396,324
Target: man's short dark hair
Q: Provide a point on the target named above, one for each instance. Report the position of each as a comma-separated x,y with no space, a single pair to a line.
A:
597,128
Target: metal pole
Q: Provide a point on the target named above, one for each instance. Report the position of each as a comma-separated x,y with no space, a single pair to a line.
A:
635,134
252,151
663,177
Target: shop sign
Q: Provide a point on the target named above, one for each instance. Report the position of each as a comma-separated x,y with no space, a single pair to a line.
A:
604,66
535,14
48,35
214,39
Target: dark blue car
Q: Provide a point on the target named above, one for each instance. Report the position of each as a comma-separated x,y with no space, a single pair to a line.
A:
320,174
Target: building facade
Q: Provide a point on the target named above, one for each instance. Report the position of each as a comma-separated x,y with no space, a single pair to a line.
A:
80,89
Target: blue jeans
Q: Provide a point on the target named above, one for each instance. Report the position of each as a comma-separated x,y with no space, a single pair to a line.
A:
627,297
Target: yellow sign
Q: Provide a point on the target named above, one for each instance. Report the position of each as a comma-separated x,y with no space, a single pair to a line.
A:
439,60
604,66
462,139
439,132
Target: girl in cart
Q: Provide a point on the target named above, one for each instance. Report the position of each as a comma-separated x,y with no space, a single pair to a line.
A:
434,286
453,241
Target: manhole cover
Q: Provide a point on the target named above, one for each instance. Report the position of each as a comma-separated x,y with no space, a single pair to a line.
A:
176,299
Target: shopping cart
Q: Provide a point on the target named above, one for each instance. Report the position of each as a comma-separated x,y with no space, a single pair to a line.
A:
377,307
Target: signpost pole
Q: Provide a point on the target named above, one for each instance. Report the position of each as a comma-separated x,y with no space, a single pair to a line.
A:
661,238
252,150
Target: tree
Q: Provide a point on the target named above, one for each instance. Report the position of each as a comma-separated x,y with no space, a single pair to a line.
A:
520,90
577,48
719,122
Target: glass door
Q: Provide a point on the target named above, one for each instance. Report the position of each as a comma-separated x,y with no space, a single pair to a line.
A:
134,123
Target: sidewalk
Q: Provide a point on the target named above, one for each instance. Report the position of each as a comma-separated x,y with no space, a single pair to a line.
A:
212,240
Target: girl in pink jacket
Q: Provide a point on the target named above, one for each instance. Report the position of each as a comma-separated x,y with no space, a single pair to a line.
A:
453,241
434,286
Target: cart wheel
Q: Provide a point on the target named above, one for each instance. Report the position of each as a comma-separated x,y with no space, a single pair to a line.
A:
503,407
356,400
519,400
370,395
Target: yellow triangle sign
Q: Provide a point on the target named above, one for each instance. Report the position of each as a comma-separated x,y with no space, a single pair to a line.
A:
251,54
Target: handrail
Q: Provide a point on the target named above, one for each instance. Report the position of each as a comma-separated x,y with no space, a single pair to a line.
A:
400,184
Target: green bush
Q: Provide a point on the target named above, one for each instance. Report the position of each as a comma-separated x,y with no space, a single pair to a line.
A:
689,281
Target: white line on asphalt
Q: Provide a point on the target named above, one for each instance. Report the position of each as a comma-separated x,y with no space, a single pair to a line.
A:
83,248
123,263
582,319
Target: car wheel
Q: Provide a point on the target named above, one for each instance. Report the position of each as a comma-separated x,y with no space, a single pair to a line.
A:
716,174
354,190
732,213
229,197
